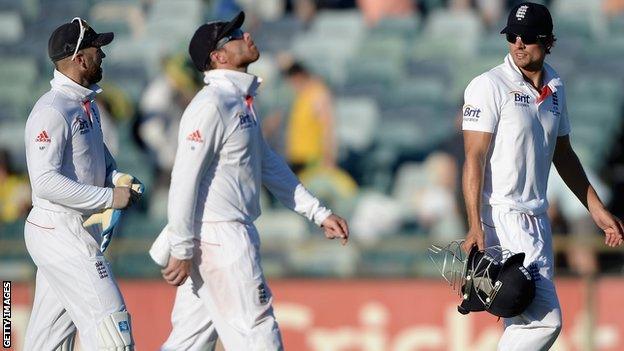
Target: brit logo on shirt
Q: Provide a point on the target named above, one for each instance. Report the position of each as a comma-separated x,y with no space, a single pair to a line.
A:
83,125
246,121
471,113
520,98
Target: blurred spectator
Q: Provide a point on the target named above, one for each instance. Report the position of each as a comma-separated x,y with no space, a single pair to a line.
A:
310,139
14,191
613,7
161,107
570,217
374,10
454,146
490,11
115,106
304,10
333,186
435,204
266,10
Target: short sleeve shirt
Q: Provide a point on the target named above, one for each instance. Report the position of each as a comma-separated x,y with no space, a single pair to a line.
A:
525,128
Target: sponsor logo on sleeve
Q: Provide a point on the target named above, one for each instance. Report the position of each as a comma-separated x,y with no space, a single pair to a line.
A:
43,137
520,98
471,113
195,137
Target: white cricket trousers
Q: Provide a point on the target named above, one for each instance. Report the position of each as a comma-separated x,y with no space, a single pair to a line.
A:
536,328
226,295
75,287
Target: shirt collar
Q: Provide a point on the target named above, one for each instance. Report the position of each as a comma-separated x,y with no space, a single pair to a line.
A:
550,76
244,83
72,89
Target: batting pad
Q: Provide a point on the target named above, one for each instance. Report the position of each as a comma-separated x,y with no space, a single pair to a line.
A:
115,332
104,222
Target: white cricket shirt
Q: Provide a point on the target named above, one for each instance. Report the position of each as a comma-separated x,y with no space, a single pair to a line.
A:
68,163
222,160
525,132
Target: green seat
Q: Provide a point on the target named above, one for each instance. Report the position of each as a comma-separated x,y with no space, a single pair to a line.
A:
11,27
405,27
449,33
327,56
385,73
323,258
329,23
357,119
426,90
468,70
591,25
282,225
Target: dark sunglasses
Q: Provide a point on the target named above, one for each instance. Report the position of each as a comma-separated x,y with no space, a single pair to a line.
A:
527,39
234,35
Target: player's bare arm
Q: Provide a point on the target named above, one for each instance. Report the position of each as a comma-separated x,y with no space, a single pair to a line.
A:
572,173
336,227
476,145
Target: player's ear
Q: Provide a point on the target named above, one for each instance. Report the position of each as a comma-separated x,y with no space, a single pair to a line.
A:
80,60
218,56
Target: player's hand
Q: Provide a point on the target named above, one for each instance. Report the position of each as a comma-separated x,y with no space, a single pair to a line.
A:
474,237
123,197
336,227
177,271
610,225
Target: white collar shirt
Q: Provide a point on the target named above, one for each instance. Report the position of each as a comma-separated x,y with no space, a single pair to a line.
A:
68,164
222,160
525,130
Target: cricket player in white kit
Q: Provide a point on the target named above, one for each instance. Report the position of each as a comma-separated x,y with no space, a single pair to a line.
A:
515,125
72,176
221,162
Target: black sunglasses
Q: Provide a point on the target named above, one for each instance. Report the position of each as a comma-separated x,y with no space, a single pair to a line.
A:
527,39
236,34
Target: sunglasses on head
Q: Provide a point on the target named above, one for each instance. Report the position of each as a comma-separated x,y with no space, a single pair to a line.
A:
527,39
234,35
83,29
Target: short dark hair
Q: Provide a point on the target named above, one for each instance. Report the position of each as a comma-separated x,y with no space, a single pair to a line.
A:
549,42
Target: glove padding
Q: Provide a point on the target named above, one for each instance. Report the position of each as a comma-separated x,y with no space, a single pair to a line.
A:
105,221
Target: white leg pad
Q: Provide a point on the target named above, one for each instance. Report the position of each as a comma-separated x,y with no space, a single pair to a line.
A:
115,332
68,343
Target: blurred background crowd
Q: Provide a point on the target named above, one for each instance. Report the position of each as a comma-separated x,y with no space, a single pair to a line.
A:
362,99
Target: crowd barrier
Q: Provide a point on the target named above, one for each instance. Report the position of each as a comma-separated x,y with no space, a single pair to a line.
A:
376,315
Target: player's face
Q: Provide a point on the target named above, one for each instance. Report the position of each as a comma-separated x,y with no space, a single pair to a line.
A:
93,63
241,52
527,56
